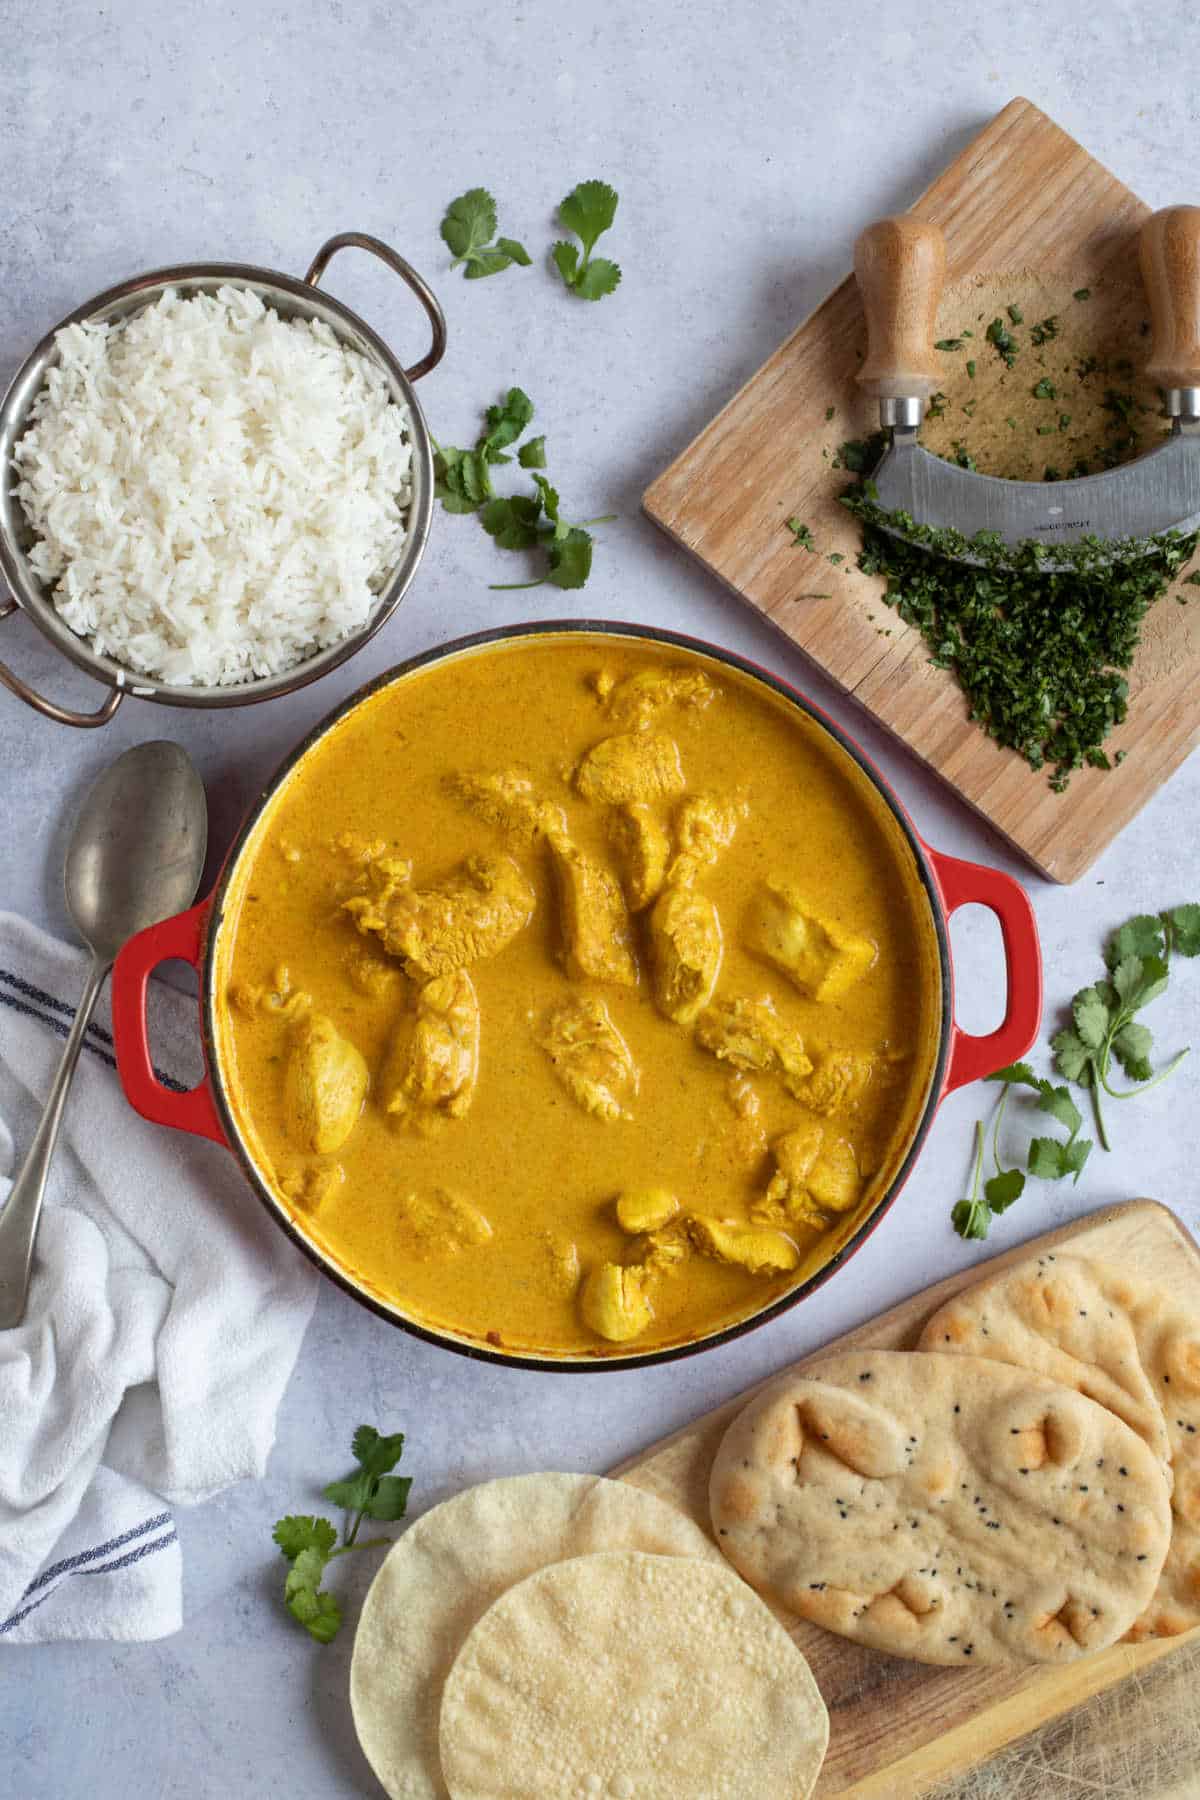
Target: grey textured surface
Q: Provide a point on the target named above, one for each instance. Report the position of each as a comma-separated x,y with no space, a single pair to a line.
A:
748,145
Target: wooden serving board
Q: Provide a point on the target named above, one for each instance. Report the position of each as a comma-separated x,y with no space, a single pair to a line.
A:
897,1727
1023,195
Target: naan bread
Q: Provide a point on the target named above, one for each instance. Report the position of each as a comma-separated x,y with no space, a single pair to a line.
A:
1124,1343
631,1677
447,1570
942,1508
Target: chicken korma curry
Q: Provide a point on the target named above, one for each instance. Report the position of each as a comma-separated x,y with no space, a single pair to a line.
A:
577,995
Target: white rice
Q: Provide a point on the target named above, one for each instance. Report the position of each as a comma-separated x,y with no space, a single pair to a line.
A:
217,492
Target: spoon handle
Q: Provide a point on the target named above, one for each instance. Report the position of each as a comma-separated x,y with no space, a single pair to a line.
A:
21,1211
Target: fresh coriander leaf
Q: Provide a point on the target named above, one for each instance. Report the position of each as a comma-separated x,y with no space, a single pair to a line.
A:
801,534
589,211
566,261
1185,929
1015,1072
1131,1047
1075,1156
1047,1159
300,1532
971,1218
548,496
1140,936
353,1493
570,559
506,421
1072,1057
377,1454
1058,1103
598,278
1045,389
835,557
1002,338
948,344
318,1612
512,522
306,1571
1091,1017
469,222
1128,977
532,455
1003,1189
390,1499
1151,982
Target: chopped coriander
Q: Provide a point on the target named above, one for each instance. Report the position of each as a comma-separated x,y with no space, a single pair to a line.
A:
1044,389
949,343
1016,315
1193,580
835,557
970,369
829,412
801,534
1083,293
935,406
1002,338
1045,431
1064,419
963,457
1045,330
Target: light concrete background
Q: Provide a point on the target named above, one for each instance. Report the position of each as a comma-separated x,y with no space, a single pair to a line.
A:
748,145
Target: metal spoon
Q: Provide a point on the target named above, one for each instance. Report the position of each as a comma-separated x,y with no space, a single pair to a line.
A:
136,857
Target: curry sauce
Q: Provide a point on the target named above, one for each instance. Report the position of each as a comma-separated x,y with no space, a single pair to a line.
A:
577,995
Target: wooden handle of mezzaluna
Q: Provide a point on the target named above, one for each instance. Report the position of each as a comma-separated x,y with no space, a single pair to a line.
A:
900,264
1170,255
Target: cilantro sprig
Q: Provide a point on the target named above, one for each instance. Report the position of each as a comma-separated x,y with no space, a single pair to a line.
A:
588,211
1104,1026
463,484
1048,1158
468,227
310,1544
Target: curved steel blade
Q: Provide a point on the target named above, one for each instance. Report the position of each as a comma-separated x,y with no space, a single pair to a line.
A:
1157,492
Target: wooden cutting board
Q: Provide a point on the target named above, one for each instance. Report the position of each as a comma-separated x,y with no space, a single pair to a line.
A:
896,1727
1023,195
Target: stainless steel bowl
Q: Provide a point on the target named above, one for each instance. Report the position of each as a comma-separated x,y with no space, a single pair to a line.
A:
291,298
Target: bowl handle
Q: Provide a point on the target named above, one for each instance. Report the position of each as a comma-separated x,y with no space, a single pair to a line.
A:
50,709
193,1109
359,240
964,883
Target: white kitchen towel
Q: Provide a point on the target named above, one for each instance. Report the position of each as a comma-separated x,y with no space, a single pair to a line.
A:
164,1321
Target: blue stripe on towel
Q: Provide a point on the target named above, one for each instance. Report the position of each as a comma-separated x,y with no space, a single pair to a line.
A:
61,1027
120,1562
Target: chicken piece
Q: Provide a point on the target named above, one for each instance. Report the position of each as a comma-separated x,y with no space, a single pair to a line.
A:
838,1082
281,998
359,850
643,849
639,698
369,974
597,943
469,915
637,765
613,1302
745,1135
312,1185
663,1251
590,1057
757,1248
509,801
685,953
814,1175
751,1035
323,1087
431,1068
441,1224
823,959
834,1182
645,1209
559,1264
704,826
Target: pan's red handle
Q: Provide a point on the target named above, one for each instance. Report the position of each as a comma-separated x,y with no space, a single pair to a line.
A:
964,883
194,1110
